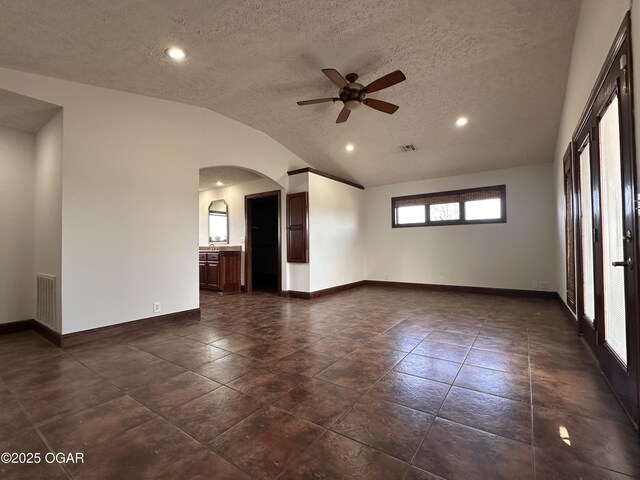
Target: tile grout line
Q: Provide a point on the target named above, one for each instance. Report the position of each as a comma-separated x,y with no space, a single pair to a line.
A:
35,427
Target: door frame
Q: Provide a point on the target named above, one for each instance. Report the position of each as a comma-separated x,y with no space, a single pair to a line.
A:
583,140
248,238
615,374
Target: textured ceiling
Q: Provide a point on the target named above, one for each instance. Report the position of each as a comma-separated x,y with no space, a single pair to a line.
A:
502,63
24,113
227,175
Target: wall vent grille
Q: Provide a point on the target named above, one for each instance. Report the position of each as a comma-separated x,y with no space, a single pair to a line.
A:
46,300
408,148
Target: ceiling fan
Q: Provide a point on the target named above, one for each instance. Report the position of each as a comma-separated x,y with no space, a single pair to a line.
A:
353,94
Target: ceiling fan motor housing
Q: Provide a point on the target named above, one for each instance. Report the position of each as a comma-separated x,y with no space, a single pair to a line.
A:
352,95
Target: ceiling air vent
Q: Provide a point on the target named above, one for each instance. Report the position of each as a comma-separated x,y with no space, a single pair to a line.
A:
408,148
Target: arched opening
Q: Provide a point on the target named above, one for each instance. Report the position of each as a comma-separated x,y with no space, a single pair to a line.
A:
239,215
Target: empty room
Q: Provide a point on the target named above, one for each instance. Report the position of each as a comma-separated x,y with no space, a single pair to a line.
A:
378,240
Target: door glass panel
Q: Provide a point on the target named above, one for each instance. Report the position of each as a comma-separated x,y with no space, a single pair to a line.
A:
586,229
612,231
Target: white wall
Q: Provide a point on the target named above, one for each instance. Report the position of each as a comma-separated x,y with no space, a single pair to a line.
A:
130,195
598,24
501,255
47,247
17,283
336,246
234,196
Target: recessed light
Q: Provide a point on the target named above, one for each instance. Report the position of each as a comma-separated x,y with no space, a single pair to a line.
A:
175,53
220,184
349,147
462,121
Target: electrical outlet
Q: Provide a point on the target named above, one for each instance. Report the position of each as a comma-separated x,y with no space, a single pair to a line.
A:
156,307
386,276
441,279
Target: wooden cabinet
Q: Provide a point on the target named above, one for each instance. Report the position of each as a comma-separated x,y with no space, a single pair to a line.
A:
297,232
220,270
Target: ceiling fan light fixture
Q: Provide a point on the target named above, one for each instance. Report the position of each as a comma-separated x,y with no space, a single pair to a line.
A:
175,53
352,104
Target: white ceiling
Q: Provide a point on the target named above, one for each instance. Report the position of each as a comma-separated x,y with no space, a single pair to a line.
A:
24,113
227,175
502,63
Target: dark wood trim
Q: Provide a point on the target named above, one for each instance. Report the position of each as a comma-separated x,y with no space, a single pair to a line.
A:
76,338
326,175
248,272
570,226
461,221
324,291
45,332
42,330
508,292
624,32
13,327
569,315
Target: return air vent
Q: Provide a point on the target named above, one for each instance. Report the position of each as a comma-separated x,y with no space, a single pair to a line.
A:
408,148
46,300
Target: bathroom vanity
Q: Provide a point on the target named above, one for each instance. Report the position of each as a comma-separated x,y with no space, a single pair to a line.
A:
220,269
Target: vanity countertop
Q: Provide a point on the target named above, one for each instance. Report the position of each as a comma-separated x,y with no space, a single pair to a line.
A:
221,248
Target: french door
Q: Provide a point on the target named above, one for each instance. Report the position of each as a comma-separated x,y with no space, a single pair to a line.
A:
607,234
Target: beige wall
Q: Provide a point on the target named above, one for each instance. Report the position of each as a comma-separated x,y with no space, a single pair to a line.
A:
47,252
130,195
17,283
499,255
336,233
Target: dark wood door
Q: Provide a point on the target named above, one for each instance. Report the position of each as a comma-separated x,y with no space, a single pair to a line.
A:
230,273
213,275
297,233
587,240
614,220
607,253
203,274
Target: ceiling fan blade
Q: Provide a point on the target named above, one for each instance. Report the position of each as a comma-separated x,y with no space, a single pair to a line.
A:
335,77
385,107
317,100
344,114
385,82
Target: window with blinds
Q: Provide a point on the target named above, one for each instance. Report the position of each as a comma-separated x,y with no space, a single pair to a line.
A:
455,207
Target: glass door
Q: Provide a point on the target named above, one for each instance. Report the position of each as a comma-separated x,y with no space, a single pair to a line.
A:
614,229
586,274
607,276
614,259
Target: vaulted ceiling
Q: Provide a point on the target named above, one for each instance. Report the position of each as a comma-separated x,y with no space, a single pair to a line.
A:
501,63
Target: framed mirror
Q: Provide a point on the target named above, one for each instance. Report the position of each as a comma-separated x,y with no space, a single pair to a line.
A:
218,222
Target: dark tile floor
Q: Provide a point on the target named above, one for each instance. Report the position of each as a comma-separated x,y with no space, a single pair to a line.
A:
373,383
